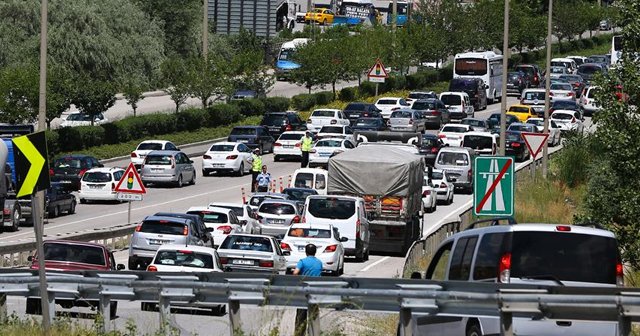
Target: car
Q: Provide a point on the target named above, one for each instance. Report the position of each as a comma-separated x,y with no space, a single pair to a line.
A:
458,163
429,199
369,124
99,184
579,59
321,16
68,169
146,147
312,178
66,256
479,125
588,70
328,243
571,255
475,88
534,98
327,148
522,127
200,229
253,137
576,81
244,94
516,82
340,131
58,200
288,145
562,91
247,217
604,25
168,167
522,112
483,143
219,221
516,146
588,101
74,119
494,121
154,231
443,185
252,253
276,216
321,117
406,120
420,95
280,122
232,157
568,120
568,63
433,111
566,105
429,147
534,75
451,134
357,110
458,104
555,137
603,60
557,71
387,105
299,194
257,198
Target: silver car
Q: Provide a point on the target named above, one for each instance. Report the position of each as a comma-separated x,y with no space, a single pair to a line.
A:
168,167
259,197
407,120
252,253
276,216
457,162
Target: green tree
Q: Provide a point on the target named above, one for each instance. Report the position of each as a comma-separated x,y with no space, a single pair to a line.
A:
249,72
60,86
313,66
567,20
133,87
527,29
207,78
93,96
19,94
176,79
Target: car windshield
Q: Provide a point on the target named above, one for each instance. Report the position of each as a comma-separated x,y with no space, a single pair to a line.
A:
562,116
561,86
422,105
277,209
534,95
211,217
589,69
304,180
185,258
367,122
328,143
453,159
96,177
387,102
222,148
150,146
472,122
243,131
309,233
247,243
519,109
74,253
160,160
451,99
323,113
514,75
572,78
68,162
290,136
422,95
454,129
331,129
332,208
401,114
477,141
355,107
299,195
162,227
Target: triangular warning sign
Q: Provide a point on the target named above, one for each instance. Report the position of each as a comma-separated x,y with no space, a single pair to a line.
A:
378,70
131,182
535,142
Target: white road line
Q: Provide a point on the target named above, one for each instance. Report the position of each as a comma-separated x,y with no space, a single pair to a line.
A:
374,264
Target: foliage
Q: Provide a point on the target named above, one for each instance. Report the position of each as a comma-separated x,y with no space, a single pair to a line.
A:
19,94
175,75
276,104
93,96
133,87
250,107
204,78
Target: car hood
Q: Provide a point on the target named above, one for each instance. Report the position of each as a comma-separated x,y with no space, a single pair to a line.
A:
287,65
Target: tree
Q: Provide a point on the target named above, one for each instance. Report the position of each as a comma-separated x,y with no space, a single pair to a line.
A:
250,72
133,88
19,94
313,66
208,78
60,84
175,77
93,96
568,22
527,28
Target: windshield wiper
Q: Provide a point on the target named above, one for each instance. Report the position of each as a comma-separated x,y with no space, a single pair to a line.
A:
543,277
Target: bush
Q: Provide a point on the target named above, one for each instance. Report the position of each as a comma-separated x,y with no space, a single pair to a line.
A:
69,139
90,136
191,119
303,101
223,114
323,97
276,104
52,143
445,74
367,89
415,81
588,43
115,133
347,94
250,107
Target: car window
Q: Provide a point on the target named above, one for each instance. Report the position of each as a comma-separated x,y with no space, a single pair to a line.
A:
277,209
323,113
460,267
170,146
118,175
238,211
211,216
161,160
438,267
331,129
454,129
309,233
401,114
304,180
387,102
97,177
320,182
245,243
185,258
162,227
488,257
68,162
74,253
534,95
332,208
519,109
291,136
150,146
243,131
328,143
348,144
478,141
222,148
451,99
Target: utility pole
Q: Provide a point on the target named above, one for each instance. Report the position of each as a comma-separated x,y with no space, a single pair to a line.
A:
205,29
505,66
547,99
394,16
37,200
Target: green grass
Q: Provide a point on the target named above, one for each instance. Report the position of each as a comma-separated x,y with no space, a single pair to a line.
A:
546,201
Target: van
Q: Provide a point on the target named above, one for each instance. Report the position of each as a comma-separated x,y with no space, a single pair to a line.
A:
347,214
457,162
483,143
458,103
565,62
312,178
474,87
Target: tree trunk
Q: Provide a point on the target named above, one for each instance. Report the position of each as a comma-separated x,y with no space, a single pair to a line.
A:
309,87
177,107
333,86
134,111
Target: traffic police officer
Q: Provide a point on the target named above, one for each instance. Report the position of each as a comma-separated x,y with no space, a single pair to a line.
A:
307,142
256,168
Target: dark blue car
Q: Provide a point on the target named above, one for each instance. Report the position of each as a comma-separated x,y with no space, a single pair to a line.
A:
369,124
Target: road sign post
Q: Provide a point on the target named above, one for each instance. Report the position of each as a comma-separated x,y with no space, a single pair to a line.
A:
130,188
535,142
494,186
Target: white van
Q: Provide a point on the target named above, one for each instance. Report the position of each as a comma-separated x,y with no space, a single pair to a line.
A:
458,103
484,143
347,214
312,178
568,63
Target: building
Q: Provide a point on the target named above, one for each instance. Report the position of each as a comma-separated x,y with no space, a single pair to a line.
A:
264,17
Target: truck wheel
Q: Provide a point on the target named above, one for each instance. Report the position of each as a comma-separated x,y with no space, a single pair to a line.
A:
15,220
360,256
33,307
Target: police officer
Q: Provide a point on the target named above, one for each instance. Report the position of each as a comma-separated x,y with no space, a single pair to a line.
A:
307,142
256,167
263,180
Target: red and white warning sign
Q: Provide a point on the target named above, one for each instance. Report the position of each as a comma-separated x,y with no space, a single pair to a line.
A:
535,142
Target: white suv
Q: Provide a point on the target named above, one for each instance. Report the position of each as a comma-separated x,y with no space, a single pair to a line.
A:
99,184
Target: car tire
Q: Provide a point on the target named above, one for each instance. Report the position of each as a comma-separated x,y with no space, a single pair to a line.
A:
240,171
33,307
72,208
473,330
205,173
15,225
55,212
179,182
276,158
360,256
193,179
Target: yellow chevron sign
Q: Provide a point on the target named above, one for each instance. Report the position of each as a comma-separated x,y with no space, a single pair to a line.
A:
32,168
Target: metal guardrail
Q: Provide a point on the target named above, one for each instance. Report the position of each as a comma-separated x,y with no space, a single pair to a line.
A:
409,297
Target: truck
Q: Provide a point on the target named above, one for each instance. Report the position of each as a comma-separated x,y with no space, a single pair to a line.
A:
285,63
389,179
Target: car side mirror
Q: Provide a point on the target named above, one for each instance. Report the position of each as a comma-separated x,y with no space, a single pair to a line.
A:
120,267
286,253
30,258
416,275
344,239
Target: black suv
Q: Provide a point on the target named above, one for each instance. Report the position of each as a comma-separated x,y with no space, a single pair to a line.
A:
69,169
474,87
357,110
253,137
280,122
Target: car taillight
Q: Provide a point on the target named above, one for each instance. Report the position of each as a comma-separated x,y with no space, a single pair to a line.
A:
296,219
536,78
443,185
185,230
8,212
265,263
515,144
298,144
573,120
469,174
277,144
570,94
224,260
51,173
285,247
619,273
330,248
358,229
226,229
550,94
504,273
441,136
232,157
287,128
426,193
152,268
133,154
434,150
139,227
82,172
333,122
206,157
563,228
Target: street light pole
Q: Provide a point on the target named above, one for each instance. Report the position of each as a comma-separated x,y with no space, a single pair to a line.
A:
547,99
394,16
205,29
505,66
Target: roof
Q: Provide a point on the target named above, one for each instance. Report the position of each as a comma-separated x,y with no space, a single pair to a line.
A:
312,225
163,152
280,201
326,109
482,54
540,227
245,126
389,98
571,112
476,133
225,204
75,156
155,141
226,143
104,170
195,248
301,189
167,218
456,125
456,149
521,105
75,242
453,93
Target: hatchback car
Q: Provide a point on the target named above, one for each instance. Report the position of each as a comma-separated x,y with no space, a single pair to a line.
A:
406,120
168,167
276,216
534,75
279,122
288,145
433,111
576,82
58,199
458,103
99,184
522,112
324,149
534,98
146,147
252,253
180,258
387,105
516,146
443,185
429,198
221,222
494,121
257,198
253,137
323,117
328,243
247,217
233,157
451,134
200,229
483,143
568,120
69,169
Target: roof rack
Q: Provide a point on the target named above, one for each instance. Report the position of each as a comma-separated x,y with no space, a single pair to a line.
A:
495,221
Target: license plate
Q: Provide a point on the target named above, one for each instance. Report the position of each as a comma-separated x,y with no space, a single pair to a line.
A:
65,181
287,146
276,221
452,138
243,141
325,154
301,248
218,165
158,241
95,187
242,262
156,169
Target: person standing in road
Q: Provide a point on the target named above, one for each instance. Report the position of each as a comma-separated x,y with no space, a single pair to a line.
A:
256,167
263,180
307,142
309,266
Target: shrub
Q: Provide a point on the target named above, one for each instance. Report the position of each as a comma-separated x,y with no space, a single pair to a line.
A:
276,104
303,102
90,136
367,89
69,139
323,97
250,107
347,94
415,81
430,77
115,133
52,142
223,114
191,119
588,43
445,74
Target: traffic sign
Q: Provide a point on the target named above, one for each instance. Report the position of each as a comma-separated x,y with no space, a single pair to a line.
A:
535,142
494,186
377,73
32,167
131,182
129,197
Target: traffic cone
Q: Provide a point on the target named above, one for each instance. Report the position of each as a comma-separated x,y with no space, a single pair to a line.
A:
244,196
281,186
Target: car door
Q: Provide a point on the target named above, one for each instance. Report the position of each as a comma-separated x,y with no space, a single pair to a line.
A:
245,153
280,262
186,166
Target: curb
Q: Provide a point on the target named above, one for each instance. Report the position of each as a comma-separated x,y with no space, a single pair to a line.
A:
190,145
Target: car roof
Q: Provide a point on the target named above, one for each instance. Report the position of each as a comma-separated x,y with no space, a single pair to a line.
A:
333,196
268,193
279,201
104,170
455,149
225,204
75,242
301,189
155,141
478,133
534,90
453,93
460,125
318,225
389,98
311,170
194,248
429,136
520,105
294,132
537,227
225,143
167,218
163,152
571,112
326,109
193,217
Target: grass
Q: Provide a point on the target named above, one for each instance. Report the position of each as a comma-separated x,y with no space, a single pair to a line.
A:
379,325
546,201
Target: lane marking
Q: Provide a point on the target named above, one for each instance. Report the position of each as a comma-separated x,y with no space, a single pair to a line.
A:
374,264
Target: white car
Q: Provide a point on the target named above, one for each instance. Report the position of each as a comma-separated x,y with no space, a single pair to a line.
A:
554,130
234,157
429,199
288,145
562,91
181,258
324,117
326,148
443,185
579,59
247,217
146,147
452,134
328,243
387,105
79,119
340,131
568,120
99,184
220,221
415,95
588,102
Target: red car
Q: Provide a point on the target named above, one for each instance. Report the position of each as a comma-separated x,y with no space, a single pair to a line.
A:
66,255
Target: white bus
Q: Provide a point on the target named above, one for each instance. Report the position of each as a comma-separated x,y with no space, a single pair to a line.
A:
616,49
485,65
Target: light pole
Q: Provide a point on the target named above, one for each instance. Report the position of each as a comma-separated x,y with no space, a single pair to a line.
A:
547,99
505,65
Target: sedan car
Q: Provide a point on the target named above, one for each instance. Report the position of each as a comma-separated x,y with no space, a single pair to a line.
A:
433,111
429,147
99,184
181,258
231,157
344,132
252,253
276,216
554,130
479,125
522,112
516,146
429,199
369,124
516,82
387,105
565,105
443,184
145,147
562,91
568,121
325,149
451,134
219,221
328,243
320,16
69,169
406,120
259,197
80,119
247,217
288,145
168,167
253,137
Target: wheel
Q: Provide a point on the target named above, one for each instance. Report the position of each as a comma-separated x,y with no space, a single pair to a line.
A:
366,256
33,307
360,256
55,212
240,171
179,183
219,310
276,158
473,330
84,201
72,208
193,179
16,220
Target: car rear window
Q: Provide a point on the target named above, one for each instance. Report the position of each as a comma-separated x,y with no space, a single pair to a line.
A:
454,129
243,131
422,95
323,113
162,227
277,209
452,158
477,141
68,162
274,119
451,99
589,69
514,75
332,208
74,253
328,143
401,114
557,69
387,102
245,243
150,146
96,177
160,160
331,129
564,256
222,148
429,142
185,258
472,122
436,175
355,107
420,105
520,128
238,211
562,116
211,217
526,69
537,122
561,86
519,109
564,105
290,136
309,233
534,95
511,136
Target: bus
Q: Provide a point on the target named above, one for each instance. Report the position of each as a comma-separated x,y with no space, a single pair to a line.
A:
285,64
403,13
485,65
616,49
